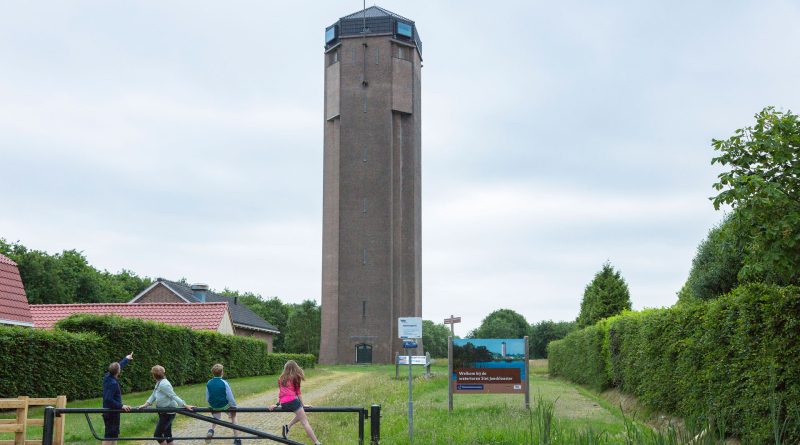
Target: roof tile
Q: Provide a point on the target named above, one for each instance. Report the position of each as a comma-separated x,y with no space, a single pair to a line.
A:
241,315
13,301
201,316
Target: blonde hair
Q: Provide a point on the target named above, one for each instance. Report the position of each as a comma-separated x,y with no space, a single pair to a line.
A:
158,372
292,372
217,370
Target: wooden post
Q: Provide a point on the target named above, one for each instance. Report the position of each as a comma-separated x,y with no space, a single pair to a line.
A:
22,422
58,430
450,373
397,366
428,365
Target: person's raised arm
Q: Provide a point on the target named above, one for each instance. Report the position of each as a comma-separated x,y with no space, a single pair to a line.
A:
125,360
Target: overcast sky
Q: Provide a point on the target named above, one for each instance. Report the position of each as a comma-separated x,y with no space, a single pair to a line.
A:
184,139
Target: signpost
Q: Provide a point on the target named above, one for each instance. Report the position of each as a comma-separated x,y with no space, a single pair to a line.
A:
488,366
424,360
452,321
409,329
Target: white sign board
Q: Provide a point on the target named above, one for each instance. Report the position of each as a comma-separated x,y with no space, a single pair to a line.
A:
415,360
409,327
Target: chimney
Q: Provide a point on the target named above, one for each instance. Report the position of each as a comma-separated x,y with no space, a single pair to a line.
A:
199,291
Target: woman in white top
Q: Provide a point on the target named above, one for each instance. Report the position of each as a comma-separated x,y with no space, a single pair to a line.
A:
164,397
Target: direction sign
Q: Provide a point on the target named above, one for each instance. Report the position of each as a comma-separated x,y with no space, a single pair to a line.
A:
452,320
409,327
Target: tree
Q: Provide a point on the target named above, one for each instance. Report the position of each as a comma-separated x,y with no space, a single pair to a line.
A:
544,332
434,338
606,295
67,277
717,263
762,184
502,323
303,328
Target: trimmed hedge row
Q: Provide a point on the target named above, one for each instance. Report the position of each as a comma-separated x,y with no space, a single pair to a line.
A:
49,363
735,360
72,358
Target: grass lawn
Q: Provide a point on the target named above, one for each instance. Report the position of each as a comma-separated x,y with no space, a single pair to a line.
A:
476,419
568,413
142,425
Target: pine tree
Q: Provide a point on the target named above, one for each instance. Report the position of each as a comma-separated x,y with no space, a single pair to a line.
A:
606,295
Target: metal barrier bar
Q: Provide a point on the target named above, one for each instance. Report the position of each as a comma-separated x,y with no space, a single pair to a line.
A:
315,409
51,413
47,428
375,424
97,436
244,429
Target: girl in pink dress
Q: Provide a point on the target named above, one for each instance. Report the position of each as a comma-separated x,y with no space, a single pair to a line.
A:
289,398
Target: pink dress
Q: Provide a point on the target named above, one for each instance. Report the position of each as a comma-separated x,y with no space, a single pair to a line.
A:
288,392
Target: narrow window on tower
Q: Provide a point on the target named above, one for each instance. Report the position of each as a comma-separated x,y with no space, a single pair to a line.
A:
377,56
363,309
353,54
364,258
364,157
364,209
333,57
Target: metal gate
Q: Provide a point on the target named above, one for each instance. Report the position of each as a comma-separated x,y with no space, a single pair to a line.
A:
374,414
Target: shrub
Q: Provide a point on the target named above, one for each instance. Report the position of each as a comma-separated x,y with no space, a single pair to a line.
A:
72,359
41,363
187,355
734,360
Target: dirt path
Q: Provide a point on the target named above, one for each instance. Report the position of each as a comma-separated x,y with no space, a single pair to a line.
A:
315,392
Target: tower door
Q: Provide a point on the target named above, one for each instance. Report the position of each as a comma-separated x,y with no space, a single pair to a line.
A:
363,353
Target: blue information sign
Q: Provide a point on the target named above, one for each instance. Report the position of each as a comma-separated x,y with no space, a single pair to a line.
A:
408,344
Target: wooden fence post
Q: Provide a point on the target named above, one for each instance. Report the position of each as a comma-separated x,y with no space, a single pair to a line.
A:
22,421
58,434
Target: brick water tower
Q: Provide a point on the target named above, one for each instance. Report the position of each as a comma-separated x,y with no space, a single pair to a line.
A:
371,239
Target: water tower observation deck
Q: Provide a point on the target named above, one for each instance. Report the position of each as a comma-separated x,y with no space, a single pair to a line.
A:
373,21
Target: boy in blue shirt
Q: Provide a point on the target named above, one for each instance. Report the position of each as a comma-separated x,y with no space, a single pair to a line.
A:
220,398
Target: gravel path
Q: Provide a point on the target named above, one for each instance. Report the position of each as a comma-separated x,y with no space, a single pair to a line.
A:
314,392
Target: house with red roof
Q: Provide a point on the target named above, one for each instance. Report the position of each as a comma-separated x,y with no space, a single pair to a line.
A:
246,323
14,308
201,317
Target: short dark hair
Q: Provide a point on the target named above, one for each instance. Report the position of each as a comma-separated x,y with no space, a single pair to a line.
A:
114,368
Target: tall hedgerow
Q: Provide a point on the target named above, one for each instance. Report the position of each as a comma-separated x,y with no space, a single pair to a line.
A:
734,360
72,358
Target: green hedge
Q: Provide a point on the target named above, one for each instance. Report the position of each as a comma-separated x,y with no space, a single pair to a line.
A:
40,363
72,358
735,360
